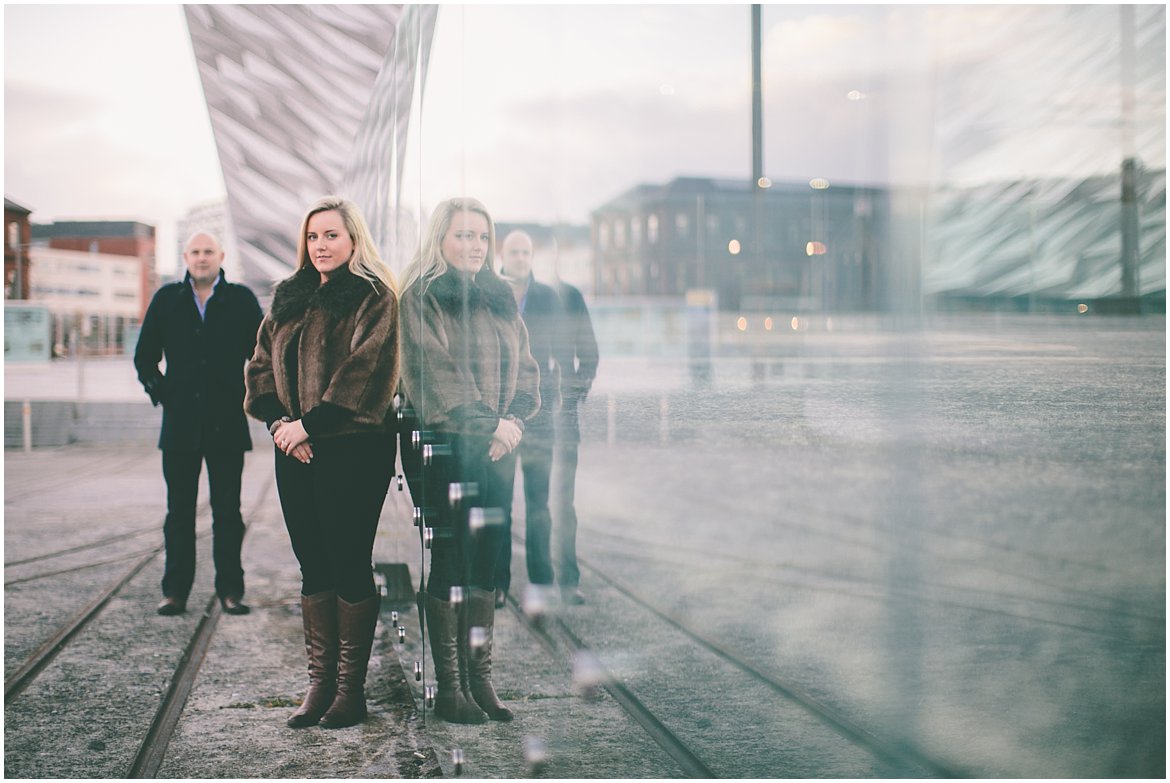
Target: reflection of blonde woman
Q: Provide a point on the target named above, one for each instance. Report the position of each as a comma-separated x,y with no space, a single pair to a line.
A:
322,378
472,381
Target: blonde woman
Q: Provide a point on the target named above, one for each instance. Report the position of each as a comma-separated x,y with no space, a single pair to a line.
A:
322,377
471,380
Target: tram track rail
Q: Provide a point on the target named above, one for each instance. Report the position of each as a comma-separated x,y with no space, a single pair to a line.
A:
855,587
43,655
899,753
83,567
34,488
82,547
152,749
679,751
556,634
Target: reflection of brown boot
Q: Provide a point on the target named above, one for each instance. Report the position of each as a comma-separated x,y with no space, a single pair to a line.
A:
443,627
481,619
319,615
355,637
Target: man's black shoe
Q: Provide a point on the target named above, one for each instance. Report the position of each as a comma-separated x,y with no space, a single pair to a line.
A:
233,605
171,606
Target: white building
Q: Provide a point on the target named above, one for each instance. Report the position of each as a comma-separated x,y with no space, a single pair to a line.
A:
95,295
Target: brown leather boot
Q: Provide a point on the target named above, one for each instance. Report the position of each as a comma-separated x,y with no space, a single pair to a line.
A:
481,614
319,615
355,632
451,703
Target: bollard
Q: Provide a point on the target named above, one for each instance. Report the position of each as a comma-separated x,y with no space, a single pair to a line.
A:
26,422
457,760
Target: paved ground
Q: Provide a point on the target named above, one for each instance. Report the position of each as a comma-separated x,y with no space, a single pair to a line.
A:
955,539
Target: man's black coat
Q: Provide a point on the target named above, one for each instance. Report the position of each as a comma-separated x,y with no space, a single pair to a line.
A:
202,393
543,316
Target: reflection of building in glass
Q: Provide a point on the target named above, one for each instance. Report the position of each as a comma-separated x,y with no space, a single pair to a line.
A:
790,244
1033,139
1004,137
1029,244
293,123
1044,243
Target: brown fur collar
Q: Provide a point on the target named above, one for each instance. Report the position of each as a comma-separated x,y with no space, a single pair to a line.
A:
339,297
485,288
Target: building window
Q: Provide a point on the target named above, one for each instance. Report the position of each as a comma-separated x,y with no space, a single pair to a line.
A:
681,222
603,235
635,231
652,229
619,233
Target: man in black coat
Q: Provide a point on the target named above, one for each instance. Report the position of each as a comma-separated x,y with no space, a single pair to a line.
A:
578,369
205,328
541,310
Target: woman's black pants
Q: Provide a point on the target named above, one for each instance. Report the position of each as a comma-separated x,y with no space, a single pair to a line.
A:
463,552
331,509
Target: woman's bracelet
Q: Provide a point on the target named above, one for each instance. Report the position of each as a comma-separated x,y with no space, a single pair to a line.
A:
277,423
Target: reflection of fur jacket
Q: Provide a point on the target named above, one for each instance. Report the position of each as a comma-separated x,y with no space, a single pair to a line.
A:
466,360
346,353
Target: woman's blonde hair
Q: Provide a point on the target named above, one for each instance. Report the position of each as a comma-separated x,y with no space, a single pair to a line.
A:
428,262
365,262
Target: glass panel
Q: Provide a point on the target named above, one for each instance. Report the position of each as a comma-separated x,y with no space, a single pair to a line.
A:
866,483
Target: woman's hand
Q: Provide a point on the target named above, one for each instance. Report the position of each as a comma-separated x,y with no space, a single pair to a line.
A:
291,438
303,452
504,439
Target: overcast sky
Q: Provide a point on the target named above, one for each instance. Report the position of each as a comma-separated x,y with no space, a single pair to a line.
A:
545,112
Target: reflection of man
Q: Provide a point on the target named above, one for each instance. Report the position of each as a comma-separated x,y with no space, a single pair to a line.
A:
578,369
541,311
205,327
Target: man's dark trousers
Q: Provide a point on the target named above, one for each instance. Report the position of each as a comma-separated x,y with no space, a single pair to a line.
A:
181,470
202,395
535,453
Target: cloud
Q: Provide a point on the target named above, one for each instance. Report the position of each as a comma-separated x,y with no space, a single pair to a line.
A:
820,43
35,116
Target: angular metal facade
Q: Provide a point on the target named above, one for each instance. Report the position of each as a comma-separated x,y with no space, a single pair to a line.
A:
305,100
1032,143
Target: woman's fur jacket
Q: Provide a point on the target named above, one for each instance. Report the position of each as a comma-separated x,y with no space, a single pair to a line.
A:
465,350
346,352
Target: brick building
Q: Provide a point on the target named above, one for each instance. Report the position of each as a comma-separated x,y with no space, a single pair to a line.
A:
809,245
16,241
